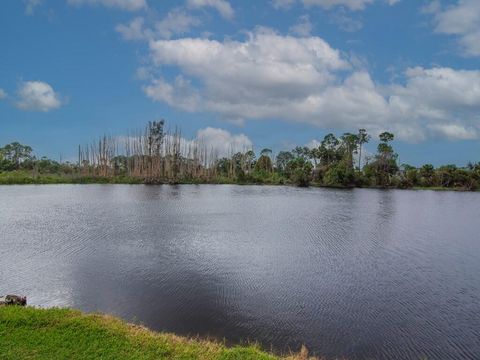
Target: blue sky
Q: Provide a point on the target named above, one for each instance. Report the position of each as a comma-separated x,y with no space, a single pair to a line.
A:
273,73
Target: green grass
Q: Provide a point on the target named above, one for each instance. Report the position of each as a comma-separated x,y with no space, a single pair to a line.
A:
31,333
25,177
20,177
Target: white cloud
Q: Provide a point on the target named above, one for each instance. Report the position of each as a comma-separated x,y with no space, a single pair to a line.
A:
461,20
3,94
180,94
217,142
303,27
37,96
455,131
353,5
30,6
134,30
176,22
269,76
242,78
222,6
222,142
437,97
129,5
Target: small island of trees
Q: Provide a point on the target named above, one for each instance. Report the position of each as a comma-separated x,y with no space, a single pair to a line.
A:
155,156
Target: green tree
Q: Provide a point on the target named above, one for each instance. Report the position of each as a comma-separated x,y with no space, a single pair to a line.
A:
315,155
349,146
363,138
282,160
427,173
266,152
264,164
385,164
340,174
249,160
328,149
14,154
300,171
301,152
155,136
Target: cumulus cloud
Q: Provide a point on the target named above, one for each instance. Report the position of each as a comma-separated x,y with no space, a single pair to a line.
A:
455,131
134,30
37,96
176,22
303,27
353,5
216,141
222,142
222,6
461,20
129,5
180,94
270,76
3,94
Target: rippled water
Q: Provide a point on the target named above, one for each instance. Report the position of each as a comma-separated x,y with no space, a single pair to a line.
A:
360,273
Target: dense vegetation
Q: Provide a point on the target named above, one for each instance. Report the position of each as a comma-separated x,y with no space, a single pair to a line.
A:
154,156
29,333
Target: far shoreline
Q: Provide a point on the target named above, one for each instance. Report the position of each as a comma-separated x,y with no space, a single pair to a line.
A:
122,181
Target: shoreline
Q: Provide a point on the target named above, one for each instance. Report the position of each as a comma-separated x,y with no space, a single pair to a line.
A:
59,333
121,181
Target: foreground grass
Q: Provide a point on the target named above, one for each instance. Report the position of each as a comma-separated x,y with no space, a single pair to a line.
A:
30,333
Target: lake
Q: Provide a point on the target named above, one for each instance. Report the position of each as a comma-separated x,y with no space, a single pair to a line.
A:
354,273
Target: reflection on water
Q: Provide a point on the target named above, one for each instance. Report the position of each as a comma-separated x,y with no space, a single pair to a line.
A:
360,273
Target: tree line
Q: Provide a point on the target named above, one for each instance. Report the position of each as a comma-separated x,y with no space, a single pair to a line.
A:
154,155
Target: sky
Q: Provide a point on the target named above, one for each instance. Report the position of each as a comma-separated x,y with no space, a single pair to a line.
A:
273,73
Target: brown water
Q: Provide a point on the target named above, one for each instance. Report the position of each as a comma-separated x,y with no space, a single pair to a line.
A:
361,273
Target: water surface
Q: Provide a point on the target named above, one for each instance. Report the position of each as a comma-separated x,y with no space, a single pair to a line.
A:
360,273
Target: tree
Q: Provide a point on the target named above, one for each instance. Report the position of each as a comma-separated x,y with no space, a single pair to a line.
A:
385,164
301,152
14,154
427,172
328,149
266,152
315,155
363,138
386,137
349,145
155,137
249,160
340,174
222,166
300,171
264,164
282,160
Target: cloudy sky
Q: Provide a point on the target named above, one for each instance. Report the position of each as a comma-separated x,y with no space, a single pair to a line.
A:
272,73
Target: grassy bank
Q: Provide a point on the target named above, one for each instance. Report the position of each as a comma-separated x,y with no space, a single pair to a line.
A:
26,178
30,333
